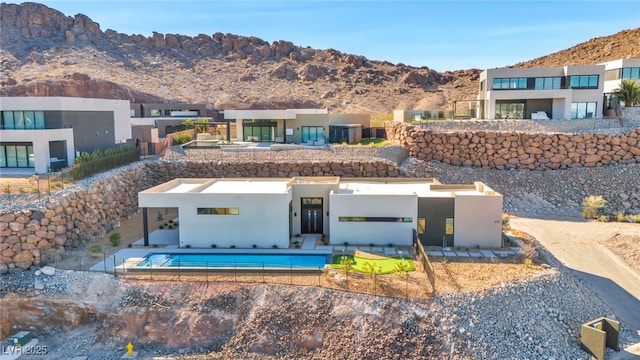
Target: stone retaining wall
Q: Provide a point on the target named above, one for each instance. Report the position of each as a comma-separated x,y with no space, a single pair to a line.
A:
517,150
82,215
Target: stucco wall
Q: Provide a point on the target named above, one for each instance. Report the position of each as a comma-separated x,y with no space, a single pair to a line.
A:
308,190
263,220
478,221
378,233
40,140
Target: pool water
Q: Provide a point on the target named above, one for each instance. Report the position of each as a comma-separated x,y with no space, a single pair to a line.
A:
213,261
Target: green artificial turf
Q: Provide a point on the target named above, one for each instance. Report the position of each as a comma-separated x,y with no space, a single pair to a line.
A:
387,265
373,142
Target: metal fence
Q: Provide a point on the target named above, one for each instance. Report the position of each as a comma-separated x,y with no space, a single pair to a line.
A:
91,167
413,286
34,188
426,264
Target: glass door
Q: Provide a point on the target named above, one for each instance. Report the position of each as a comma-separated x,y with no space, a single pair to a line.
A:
312,216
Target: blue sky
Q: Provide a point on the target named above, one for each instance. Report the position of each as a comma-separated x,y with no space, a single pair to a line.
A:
442,35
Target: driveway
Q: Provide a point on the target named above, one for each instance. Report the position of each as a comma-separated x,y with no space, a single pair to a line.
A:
578,246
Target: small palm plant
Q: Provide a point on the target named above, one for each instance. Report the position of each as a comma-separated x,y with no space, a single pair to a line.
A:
346,263
401,270
373,271
628,93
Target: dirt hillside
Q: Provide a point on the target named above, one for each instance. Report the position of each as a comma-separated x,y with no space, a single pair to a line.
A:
46,53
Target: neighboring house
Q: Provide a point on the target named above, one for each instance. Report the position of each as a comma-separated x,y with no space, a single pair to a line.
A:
40,134
411,115
167,118
299,126
615,72
568,92
266,211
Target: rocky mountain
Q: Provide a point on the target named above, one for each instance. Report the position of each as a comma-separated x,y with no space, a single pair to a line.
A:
45,52
625,44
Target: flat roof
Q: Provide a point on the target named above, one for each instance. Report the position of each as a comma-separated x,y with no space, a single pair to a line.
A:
370,188
183,188
426,187
247,187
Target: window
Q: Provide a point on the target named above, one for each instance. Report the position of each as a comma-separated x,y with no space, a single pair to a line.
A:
422,226
17,155
374,219
612,74
448,226
509,83
311,201
583,110
584,81
218,211
7,120
548,83
22,120
312,133
509,111
631,73
156,113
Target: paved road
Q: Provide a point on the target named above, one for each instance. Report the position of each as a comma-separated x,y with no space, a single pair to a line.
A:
577,245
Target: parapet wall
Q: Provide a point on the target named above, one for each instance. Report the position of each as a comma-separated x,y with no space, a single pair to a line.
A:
81,215
517,150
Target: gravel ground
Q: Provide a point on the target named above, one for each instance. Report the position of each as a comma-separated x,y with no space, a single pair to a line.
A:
537,318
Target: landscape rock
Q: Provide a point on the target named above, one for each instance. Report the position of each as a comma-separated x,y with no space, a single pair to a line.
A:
48,270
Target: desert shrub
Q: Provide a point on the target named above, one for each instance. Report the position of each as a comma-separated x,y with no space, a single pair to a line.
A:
593,206
181,138
506,224
95,249
115,239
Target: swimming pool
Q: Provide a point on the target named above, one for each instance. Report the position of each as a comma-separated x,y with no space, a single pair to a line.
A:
232,261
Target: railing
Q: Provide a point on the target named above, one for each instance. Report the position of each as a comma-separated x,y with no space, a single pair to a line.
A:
389,286
34,127
426,264
88,168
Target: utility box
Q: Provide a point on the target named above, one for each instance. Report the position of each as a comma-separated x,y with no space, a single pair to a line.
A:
598,334
20,339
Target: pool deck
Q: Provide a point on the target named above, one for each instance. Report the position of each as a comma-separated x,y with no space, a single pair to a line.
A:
167,242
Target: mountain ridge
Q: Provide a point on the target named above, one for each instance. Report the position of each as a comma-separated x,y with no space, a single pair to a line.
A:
43,51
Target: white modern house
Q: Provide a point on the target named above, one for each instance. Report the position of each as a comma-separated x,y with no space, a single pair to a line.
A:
39,134
615,72
268,212
567,92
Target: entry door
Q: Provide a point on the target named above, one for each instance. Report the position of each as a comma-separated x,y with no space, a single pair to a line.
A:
311,221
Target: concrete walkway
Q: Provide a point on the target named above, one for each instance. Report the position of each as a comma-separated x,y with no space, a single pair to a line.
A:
477,253
577,245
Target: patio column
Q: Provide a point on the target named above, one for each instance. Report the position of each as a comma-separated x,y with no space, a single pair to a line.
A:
285,131
145,226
